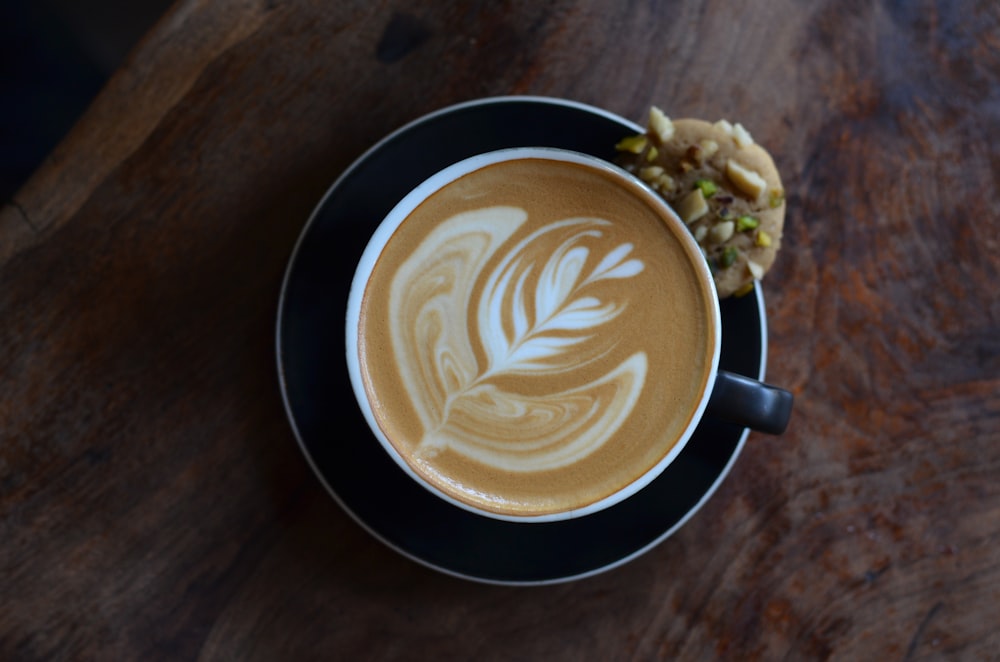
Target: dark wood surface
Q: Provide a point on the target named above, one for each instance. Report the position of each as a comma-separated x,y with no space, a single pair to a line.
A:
154,503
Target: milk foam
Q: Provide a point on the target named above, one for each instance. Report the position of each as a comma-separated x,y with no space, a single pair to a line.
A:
475,321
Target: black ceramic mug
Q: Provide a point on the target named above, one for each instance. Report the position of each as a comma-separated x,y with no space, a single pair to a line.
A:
533,334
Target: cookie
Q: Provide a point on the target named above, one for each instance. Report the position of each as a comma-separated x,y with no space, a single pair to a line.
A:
724,186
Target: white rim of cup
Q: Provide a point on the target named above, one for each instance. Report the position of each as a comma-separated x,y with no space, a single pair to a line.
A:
407,205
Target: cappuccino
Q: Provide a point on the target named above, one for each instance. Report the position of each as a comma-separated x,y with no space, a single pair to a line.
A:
536,336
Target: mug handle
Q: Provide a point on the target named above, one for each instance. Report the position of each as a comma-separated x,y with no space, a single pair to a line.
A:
750,403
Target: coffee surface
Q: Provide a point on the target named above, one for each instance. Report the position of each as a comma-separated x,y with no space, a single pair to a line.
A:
533,337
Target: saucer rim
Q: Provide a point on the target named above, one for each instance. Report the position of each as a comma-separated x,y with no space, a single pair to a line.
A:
305,231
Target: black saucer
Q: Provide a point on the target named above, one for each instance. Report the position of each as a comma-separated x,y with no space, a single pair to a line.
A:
333,434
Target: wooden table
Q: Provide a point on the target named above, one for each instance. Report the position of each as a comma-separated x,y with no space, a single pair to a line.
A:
153,501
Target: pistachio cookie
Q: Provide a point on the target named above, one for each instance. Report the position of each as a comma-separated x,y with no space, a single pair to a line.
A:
722,185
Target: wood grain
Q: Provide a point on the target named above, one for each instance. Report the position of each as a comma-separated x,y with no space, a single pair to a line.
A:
153,502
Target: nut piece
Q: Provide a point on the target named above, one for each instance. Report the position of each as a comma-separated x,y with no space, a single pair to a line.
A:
707,187
695,154
745,180
741,136
633,144
725,126
664,184
650,173
746,222
692,206
722,231
763,239
708,148
756,270
660,124
700,233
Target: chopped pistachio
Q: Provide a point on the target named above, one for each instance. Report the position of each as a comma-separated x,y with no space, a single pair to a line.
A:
763,239
741,135
745,290
633,144
724,213
652,153
745,180
721,232
707,186
660,125
776,199
728,257
692,206
744,223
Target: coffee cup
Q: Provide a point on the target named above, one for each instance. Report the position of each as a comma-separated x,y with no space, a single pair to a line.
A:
532,334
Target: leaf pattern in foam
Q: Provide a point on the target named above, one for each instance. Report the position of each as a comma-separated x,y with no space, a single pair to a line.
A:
563,317
521,331
435,285
523,433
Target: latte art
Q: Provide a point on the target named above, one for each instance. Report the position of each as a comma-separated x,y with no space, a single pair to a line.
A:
532,338
535,310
